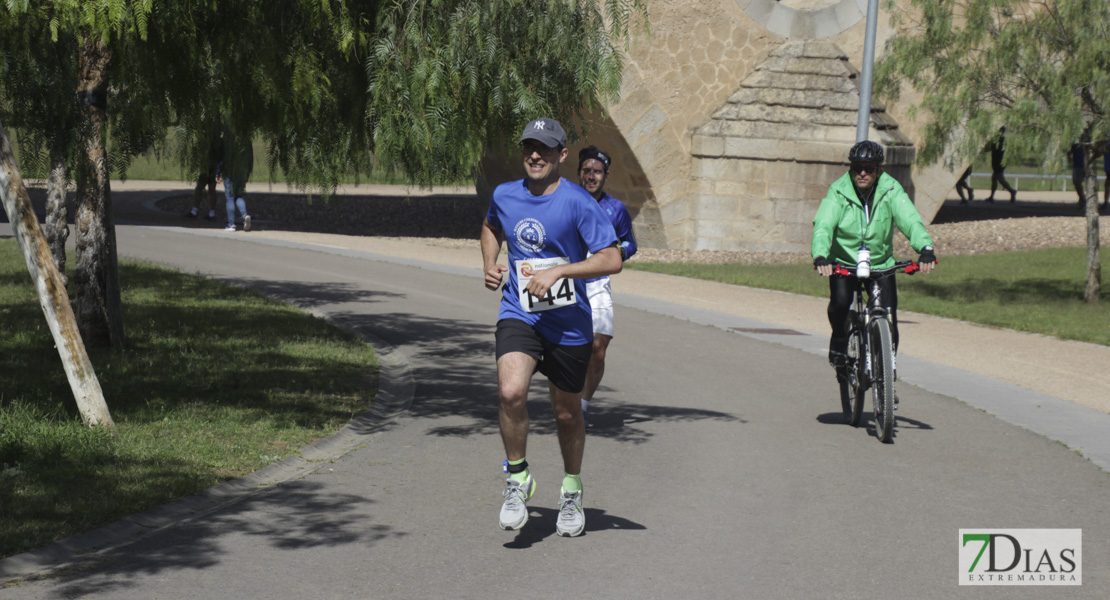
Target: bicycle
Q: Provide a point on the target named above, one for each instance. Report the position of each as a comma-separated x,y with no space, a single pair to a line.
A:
870,362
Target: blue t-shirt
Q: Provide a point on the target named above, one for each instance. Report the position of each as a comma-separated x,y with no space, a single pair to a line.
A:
622,223
567,223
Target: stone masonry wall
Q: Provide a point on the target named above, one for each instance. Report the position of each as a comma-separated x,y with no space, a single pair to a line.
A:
759,189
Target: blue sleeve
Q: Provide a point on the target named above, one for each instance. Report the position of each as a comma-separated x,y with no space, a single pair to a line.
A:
623,225
491,214
596,230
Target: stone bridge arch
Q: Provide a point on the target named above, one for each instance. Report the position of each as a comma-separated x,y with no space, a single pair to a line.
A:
703,166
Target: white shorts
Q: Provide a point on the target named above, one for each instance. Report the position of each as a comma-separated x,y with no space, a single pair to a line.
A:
600,294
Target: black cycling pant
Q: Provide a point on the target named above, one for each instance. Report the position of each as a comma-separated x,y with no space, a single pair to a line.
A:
840,302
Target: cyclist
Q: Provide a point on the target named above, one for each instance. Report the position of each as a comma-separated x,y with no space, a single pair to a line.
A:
860,211
593,172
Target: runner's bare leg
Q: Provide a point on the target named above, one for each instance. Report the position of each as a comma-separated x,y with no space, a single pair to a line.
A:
514,375
597,366
572,429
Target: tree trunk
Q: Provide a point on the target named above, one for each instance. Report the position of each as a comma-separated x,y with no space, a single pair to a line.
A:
1094,263
57,214
51,291
99,310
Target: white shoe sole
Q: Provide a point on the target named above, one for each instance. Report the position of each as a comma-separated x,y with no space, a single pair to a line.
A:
574,533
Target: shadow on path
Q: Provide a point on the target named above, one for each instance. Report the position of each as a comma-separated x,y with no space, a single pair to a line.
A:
300,515
596,520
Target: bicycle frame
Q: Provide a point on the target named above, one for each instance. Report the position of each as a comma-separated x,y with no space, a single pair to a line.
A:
872,362
863,314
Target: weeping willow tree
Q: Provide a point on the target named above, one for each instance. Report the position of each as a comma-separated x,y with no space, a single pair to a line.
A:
418,88
1039,69
79,73
31,74
449,80
423,88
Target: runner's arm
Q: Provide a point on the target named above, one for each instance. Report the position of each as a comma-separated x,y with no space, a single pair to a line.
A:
606,261
491,248
625,236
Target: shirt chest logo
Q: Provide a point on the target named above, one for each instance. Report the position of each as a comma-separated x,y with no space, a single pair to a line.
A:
530,235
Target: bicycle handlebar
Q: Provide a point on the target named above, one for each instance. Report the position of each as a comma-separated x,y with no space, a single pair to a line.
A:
908,267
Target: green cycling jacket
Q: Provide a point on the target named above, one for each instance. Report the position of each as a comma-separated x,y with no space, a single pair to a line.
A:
840,227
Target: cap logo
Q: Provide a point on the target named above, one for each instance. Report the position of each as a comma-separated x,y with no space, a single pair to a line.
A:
540,125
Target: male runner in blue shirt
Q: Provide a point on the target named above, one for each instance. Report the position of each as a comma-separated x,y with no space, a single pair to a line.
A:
593,172
551,226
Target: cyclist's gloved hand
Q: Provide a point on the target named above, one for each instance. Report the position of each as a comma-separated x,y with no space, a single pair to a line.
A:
823,266
927,260
927,255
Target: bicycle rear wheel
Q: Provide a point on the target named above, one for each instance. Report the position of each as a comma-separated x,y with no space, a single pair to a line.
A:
852,389
882,378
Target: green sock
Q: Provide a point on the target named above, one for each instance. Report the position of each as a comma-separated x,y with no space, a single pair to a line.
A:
572,483
521,476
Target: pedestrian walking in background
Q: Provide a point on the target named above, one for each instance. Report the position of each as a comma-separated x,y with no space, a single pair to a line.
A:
963,189
235,171
1106,179
207,179
1078,174
998,175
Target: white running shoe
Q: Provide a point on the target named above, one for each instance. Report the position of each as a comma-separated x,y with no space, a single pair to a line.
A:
229,228
572,519
514,513
246,222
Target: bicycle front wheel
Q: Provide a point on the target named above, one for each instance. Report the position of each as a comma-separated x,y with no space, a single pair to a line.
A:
882,378
852,389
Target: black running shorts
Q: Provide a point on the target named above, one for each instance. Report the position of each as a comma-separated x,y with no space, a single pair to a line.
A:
564,366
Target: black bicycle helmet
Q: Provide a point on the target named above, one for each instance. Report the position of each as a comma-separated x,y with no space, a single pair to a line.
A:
866,151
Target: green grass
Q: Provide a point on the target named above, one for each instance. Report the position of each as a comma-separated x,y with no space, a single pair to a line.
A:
1038,291
215,382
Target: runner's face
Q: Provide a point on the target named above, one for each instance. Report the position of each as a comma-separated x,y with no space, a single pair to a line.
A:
592,176
864,174
541,163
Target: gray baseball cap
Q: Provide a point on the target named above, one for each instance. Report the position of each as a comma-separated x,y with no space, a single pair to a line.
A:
546,131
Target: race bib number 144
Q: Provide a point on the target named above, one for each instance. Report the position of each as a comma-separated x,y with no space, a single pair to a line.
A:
561,293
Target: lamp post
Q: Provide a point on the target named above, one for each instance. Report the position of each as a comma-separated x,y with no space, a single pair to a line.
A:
863,122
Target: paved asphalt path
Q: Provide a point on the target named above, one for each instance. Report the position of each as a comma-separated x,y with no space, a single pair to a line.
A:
718,467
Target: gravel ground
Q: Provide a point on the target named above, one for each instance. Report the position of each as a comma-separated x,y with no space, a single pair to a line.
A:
451,221
1007,235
